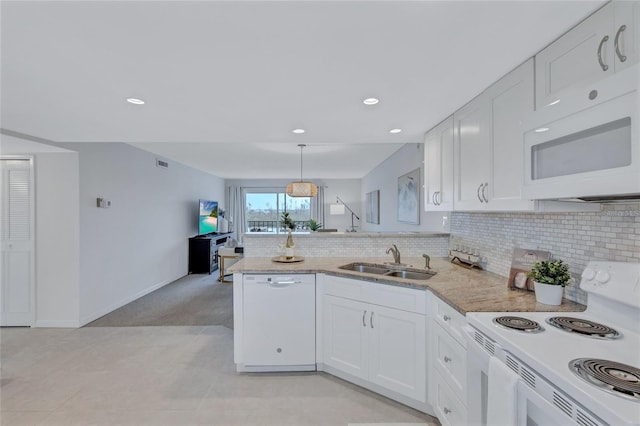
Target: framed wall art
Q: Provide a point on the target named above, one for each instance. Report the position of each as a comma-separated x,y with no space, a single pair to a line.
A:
372,204
408,197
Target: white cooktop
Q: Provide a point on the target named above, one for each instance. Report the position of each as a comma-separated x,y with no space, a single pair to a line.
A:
614,300
550,352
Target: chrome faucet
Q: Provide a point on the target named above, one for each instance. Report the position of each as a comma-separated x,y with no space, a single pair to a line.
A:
395,252
427,260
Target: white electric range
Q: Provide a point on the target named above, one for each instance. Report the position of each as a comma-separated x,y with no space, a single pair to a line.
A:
554,362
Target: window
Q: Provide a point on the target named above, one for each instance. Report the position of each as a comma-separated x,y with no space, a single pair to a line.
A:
264,210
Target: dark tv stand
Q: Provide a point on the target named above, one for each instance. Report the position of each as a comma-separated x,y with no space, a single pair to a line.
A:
203,252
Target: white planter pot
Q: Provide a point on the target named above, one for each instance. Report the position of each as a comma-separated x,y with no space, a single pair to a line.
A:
548,294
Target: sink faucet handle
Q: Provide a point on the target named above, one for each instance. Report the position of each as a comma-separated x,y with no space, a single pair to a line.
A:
427,260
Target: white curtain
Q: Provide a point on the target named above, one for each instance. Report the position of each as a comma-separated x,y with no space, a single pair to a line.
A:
317,206
237,212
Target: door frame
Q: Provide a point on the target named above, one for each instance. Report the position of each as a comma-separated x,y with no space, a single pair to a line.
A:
32,244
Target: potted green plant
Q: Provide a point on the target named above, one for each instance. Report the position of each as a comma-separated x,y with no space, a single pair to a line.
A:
549,279
313,225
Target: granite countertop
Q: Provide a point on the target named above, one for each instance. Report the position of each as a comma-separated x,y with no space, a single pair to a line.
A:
342,234
466,290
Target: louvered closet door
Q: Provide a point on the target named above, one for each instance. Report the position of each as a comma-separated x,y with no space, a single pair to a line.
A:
16,235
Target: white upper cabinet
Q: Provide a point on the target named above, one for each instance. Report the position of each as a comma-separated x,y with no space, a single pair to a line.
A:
472,154
511,100
603,44
488,145
626,37
438,167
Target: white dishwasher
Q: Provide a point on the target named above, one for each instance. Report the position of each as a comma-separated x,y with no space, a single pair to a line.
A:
279,316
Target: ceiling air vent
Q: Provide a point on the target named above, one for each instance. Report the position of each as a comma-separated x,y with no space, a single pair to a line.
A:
162,164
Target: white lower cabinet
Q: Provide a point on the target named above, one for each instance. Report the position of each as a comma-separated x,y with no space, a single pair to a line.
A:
397,351
448,364
381,345
345,335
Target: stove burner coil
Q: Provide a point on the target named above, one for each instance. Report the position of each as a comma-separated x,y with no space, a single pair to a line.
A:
583,326
518,323
613,377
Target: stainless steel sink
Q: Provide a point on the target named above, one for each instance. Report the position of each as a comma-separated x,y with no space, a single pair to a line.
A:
368,268
389,271
411,275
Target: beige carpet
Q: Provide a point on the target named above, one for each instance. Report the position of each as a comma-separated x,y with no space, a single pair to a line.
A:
197,299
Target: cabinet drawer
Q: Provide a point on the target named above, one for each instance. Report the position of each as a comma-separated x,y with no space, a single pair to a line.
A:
406,299
448,408
450,359
450,319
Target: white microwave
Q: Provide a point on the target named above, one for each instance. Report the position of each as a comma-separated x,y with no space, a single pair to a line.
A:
590,155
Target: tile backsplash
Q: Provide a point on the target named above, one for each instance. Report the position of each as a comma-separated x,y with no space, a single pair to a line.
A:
348,245
611,234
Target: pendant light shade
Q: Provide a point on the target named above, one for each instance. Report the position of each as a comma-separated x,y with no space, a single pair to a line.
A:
301,188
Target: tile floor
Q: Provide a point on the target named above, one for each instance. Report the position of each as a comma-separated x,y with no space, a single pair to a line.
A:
167,376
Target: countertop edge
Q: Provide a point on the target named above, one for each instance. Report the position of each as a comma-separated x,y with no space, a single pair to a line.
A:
463,289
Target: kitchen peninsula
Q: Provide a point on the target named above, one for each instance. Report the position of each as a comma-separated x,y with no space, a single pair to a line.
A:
402,338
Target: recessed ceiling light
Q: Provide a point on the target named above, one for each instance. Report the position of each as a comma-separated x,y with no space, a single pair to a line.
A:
135,101
542,129
395,130
298,131
370,101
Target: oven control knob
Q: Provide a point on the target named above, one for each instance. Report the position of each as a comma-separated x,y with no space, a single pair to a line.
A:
588,274
602,277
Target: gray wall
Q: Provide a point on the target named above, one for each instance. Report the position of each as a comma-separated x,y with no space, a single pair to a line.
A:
140,243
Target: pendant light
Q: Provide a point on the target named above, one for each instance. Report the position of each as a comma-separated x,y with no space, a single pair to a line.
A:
301,188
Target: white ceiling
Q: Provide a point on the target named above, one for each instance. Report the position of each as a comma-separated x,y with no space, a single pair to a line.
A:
225,82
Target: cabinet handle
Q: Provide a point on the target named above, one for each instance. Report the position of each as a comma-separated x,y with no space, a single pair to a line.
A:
617,44
446,317
484,196
447,359
600,61
439,198
363,315
371,320
478,193
433,199
446,410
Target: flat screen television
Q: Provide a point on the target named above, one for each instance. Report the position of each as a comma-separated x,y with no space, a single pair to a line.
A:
208,217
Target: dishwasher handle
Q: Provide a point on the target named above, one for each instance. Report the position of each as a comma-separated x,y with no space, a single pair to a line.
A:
279,283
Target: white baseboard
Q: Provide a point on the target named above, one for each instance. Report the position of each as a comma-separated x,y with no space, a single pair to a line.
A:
56,324
94,316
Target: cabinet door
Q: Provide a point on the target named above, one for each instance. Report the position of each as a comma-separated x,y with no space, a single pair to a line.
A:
345,329
626,33
511,101
397,351
583,55
438,161
472,153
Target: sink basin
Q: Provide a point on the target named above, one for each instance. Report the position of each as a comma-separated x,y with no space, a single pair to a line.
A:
411,275
366,267
387,271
